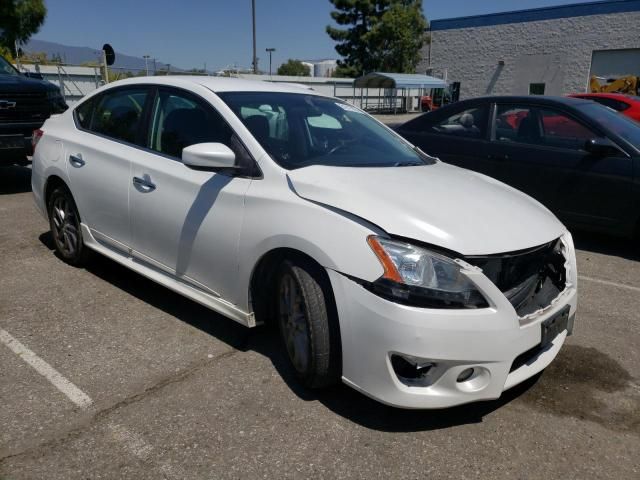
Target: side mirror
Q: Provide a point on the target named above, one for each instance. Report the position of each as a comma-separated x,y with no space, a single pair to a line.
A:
601,147
209,156
34,75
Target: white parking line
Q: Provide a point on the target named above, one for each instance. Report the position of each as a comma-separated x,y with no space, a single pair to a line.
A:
611,284
72,392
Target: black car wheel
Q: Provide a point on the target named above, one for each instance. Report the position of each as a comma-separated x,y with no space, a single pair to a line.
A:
64,222
308,323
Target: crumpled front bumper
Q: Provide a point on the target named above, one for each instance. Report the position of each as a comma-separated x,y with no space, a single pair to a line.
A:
488,340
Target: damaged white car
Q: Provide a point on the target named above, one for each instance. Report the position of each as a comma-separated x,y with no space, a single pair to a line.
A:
417,283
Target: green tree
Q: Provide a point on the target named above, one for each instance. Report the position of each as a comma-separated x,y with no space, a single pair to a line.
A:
19,19
380,35
294,68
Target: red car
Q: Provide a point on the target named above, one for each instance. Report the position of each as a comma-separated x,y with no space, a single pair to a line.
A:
626,104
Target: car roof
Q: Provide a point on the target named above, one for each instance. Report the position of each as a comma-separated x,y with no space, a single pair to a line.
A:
217,84
545,99
615,96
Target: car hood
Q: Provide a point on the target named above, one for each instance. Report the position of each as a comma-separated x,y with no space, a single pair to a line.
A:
20,83
439,204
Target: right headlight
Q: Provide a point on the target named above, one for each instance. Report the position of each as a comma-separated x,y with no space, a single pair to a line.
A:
419,277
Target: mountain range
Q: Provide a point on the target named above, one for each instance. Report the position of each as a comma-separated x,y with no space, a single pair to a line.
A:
79,55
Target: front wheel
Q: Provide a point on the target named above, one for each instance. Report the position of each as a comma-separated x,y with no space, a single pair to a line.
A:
64,222
308,323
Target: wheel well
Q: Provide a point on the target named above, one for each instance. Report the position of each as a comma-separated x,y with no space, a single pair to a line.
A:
53,182
262,285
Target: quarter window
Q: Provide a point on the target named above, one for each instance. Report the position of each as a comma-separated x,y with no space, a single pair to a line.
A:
117,114
470,123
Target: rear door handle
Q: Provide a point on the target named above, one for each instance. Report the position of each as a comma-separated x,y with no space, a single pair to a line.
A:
498,157
144,184
76,160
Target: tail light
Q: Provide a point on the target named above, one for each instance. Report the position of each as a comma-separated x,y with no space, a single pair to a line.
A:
35,138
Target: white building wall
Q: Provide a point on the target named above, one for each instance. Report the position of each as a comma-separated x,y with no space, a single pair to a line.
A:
556,52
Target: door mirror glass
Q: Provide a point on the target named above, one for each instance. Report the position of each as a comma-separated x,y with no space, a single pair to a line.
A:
601,147
212,156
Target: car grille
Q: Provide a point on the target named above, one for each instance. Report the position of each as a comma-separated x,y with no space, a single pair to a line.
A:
530,279
29,107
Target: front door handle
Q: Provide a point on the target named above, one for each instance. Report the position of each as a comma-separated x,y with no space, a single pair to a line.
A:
144,184
76,160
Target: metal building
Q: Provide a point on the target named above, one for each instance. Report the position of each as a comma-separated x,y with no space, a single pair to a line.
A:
552,51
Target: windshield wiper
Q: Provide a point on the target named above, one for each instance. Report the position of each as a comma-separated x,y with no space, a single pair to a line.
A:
408,164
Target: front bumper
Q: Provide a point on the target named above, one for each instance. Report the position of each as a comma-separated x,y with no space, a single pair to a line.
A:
487,340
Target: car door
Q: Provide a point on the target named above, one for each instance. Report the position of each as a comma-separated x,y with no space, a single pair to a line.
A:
98,157
456,135
540,150
594,190
187,222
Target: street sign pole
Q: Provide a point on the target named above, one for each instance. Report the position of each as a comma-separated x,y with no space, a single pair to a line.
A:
106,70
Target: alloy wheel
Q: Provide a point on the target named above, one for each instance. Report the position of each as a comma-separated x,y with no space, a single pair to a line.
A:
66,227
293,322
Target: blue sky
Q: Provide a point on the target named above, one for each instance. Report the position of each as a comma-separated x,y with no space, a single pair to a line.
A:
188,33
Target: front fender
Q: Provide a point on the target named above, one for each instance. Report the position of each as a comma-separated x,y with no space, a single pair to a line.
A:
274,220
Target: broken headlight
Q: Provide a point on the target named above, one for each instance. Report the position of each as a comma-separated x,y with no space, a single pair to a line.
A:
419,277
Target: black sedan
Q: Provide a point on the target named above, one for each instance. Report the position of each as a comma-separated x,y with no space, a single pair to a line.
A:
579,158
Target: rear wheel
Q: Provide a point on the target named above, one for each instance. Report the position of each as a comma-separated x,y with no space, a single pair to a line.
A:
64,222
308,323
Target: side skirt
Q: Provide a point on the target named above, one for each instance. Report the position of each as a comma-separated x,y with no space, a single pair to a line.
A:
170,281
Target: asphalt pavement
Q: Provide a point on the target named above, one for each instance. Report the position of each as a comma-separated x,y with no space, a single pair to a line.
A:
173,390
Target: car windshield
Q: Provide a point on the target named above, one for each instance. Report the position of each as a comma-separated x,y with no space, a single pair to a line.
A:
299,130
6,68
615,122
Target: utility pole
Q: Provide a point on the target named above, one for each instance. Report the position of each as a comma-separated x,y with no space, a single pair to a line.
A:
146,63
17,55
253,16
270,50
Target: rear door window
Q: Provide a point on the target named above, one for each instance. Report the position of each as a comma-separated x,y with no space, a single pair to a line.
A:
516,124
118,114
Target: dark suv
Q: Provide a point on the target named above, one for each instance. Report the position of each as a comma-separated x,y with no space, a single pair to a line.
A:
25,103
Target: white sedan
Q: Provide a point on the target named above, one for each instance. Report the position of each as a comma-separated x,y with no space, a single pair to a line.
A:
415,282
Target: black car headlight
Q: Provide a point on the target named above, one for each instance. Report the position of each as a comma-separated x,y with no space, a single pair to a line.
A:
419,277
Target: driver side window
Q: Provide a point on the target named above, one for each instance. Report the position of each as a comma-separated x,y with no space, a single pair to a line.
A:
179,120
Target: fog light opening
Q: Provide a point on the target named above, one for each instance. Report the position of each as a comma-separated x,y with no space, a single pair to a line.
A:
466,375
410,370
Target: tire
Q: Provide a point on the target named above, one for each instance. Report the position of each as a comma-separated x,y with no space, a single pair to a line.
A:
308,323
64,223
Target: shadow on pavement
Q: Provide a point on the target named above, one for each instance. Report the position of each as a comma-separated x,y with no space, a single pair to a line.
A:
15,179
341,400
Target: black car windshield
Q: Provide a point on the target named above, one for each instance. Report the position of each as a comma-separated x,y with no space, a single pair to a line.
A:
299,130
6,68
613,121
